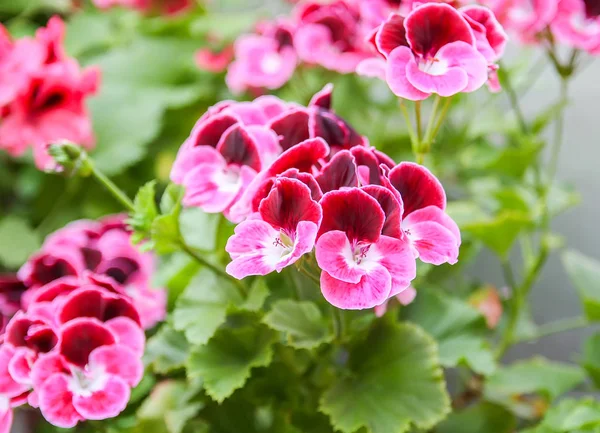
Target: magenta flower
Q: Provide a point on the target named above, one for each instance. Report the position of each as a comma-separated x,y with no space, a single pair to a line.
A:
165,7
330,35
49,105
214,61
287,229
90,377
266,60
524,18
433,235
443,60
361,266
12,393
577,24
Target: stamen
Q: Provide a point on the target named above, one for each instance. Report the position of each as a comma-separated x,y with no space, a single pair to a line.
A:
278,243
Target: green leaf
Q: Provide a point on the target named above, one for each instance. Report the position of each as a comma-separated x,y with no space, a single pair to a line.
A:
167,350
481,418
584,273
547,116
591,358
89,30
539,376
394,380
225,363
199,229
170,201
203,306
499,233
145,211
17,241
458,328
138,86
166,237
170,404
257,295
302,322
570,416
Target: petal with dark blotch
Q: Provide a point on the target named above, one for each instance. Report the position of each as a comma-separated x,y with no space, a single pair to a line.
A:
93,302
432,25
304,156
291,127
322,98
80,337
238,147
391,207
340,172
209,132
354,212
367,158
307,179
391,34
288,203
417,186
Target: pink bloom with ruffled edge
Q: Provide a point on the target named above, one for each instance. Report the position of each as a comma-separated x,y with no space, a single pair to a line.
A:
577,24
330,35
444,60
361,266
286,230
265,60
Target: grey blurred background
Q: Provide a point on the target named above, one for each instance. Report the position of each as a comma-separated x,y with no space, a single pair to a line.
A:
554,297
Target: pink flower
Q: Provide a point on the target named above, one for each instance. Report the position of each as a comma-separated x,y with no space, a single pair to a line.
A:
11,290
266,60
12,393
525,19
213,61
433,235
330,35
166,7
361,266
89,378
404,298
489,304
47,103
444,60
286,230
577,24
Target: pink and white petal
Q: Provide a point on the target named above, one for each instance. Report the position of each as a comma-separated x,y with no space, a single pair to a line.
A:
433,213
252,249
189,158
118,360
211,187
56,402
306,234
80,337
396,75
45,367
8,386
468,59
372,290
20,365
353,212
417,186
128,333
373,68
335,256
108,402
448,83
397,257
406,296
380,310
313,42
434,243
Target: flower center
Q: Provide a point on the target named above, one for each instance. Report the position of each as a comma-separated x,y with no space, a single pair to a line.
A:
228,178
360,253
433,66
86,382
271,63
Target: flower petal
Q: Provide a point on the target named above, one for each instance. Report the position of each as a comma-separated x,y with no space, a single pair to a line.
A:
391,35
417,186
396,75
335,256
56,402
118,360
372,290
398,259
80,337
108,402
238,147
291,127
128,333
338,173
251,248
460,55
391,207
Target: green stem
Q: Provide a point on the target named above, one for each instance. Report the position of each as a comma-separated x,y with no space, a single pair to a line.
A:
418,120
215,269
414,140
112,188
338,323
516,304
562,325
430,124
558,134
309,274
514,101
441,118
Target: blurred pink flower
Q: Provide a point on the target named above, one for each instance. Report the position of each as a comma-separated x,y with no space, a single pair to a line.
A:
577,24
213,61
404,298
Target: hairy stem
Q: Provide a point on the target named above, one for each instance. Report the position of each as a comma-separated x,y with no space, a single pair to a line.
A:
514,102
111,187
562,325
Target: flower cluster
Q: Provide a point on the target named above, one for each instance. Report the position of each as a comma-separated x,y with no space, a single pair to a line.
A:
575,23
74,348
299,179
163,7
42,94
331,35
457,53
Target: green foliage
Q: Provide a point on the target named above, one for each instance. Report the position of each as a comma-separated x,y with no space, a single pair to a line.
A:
17,241
302,323
591,358
225,363
458,328
570,416
481,418
167,350
393,381
499,233
526,386
585,275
